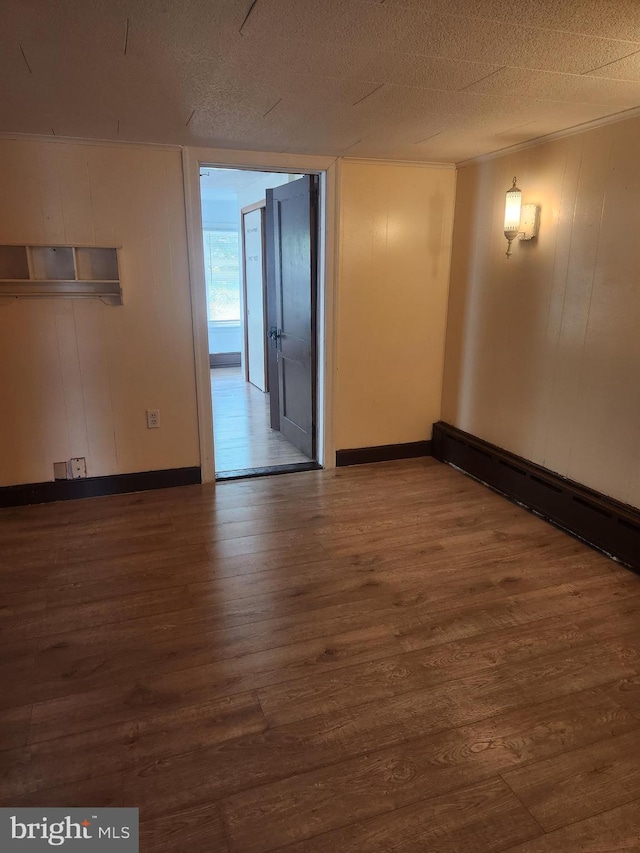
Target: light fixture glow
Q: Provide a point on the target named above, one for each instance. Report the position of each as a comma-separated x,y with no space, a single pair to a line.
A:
512,211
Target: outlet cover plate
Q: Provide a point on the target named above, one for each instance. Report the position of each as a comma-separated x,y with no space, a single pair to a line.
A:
153,418
78,468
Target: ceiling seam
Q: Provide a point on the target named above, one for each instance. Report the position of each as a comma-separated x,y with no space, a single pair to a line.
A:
349,147
427,138
360,100
248,15
562,32
271,109
607,64
24,56
486,77
456,60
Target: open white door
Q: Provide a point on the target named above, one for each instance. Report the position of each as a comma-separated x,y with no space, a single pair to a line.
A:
254,295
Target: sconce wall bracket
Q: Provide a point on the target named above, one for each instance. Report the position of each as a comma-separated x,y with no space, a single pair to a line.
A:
529,222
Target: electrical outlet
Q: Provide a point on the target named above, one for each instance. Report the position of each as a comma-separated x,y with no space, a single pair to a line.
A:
78,468
153,418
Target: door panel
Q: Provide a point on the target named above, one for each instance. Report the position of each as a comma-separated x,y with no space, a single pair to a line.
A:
293,215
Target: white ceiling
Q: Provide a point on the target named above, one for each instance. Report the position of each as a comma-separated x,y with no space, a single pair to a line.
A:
436,80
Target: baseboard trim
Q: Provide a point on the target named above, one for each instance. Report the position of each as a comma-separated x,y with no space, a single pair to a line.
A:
382,453
225,359
600,521
92,487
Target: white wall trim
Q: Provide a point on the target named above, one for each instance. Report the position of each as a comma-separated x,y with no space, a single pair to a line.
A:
193,159
327,305
198,291
264,161
415,164
585,127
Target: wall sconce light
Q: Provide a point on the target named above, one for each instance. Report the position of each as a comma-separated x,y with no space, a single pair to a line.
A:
519,220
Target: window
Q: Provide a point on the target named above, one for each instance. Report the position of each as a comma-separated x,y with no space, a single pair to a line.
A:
222,274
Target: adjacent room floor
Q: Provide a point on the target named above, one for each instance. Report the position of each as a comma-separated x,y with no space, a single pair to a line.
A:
242,428
380,658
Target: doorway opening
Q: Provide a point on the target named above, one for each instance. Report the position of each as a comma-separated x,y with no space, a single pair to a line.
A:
260,240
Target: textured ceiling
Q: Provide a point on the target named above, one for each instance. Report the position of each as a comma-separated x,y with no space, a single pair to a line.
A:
438,80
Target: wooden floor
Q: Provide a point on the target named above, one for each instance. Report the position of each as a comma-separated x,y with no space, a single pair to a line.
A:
241,425
384,658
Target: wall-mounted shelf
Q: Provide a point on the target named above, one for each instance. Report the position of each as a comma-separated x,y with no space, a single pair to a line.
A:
60,271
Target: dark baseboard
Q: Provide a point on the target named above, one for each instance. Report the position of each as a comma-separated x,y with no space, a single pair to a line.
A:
598,520
268,471
225,359
382,453
93,487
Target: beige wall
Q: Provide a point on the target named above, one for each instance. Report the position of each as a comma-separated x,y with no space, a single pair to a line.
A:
76,376
543,350
393,273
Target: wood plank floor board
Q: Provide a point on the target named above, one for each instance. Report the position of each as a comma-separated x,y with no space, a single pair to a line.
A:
380,782
521,609
570,671
126,745
83,670
283,751
66,665
115,609
300,748
297,699
200,828
163,564
611,620
184,687
626,692
350,659
570,787
14,727
608,832
17,660
103,790
478,819
21,615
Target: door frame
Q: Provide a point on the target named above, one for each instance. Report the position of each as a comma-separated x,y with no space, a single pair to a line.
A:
193,159
251,208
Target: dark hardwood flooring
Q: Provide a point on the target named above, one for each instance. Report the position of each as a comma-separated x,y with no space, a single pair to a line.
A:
379,659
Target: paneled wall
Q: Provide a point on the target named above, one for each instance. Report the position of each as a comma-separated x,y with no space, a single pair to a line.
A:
393,271
76,376
543,350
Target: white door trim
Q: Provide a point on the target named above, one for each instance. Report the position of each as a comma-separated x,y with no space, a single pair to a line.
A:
326,167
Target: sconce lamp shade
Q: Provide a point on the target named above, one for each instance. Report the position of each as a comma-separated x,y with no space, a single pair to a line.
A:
512,210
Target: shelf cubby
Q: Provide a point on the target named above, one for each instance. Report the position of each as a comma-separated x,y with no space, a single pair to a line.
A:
60,271
13,262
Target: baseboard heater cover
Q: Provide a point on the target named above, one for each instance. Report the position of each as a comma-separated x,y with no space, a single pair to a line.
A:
600,521
225,359
92,487
382,453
